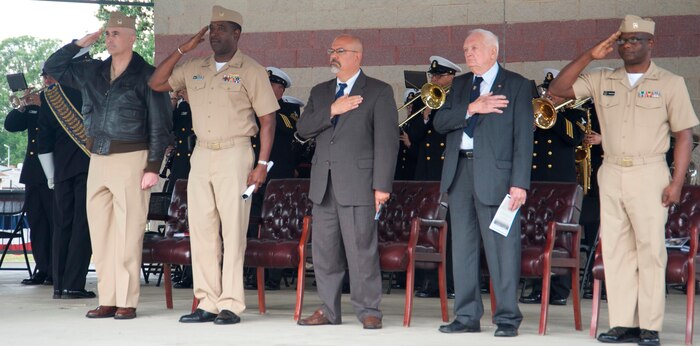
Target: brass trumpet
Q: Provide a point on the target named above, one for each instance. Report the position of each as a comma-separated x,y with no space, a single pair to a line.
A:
433,97
546,112
18,102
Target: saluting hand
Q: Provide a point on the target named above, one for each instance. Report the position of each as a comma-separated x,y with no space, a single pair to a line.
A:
345,104
604,47
488,103
194,41
89,39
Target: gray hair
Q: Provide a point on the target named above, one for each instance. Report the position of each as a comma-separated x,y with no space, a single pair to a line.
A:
489,38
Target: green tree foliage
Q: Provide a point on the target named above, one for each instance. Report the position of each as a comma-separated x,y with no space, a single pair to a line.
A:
145,40
23,54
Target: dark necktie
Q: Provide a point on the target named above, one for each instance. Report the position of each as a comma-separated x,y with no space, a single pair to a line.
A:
475,93
341,90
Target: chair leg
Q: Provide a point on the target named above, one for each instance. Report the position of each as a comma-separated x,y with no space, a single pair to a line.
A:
442,285
689,310
301,276
595,313
24,249
168,286
576,298
260,271
195,303
544,304
408,306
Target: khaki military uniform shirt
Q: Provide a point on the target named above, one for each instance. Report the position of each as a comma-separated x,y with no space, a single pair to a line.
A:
224,103
636,121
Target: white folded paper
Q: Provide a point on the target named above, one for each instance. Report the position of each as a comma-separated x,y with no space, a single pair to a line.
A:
504,218
249,191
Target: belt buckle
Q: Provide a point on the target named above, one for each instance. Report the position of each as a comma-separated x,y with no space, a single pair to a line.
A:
215,146
626,162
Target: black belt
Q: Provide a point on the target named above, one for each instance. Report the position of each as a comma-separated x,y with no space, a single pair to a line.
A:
469,154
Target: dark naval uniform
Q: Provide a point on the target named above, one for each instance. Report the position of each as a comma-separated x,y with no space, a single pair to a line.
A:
182,129
431,147
553,154
283,155
71,240
38,197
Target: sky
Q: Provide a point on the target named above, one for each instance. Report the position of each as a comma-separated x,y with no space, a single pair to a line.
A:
47,19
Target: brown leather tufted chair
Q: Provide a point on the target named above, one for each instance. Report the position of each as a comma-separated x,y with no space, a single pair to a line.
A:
412,233
683,221
174,247
283,235
550,240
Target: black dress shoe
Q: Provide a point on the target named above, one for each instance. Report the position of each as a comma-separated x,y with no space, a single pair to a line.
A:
48,281
649,338
77,294
450,293
459,327
618,335
534,298
37,279
198,316
227,317
427,293
56,294
557,301
506,330
183,284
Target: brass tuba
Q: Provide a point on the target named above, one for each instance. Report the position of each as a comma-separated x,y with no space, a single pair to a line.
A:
433,97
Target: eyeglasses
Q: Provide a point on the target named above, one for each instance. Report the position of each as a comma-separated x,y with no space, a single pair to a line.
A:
631,40
437,75
339,51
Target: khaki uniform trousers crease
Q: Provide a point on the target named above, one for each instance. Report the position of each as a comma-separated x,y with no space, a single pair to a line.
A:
216,210
633,240
117,208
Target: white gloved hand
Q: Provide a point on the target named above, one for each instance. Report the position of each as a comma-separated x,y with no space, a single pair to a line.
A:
49,182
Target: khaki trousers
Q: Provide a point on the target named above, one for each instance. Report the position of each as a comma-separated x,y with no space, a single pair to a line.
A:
215,211
632,234
117,208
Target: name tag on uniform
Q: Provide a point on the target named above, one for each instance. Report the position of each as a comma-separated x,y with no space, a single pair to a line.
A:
608,93
198,77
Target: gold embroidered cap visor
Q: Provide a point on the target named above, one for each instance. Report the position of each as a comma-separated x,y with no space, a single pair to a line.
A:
633,23
120,20
220,14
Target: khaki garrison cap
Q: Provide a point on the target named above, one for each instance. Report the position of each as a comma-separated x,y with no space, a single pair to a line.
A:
120,20
220,14
633,23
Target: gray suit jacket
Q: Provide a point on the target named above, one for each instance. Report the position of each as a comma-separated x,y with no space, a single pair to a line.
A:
502,142
360,152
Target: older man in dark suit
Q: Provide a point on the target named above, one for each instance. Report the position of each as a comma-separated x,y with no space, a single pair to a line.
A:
488,121
355,123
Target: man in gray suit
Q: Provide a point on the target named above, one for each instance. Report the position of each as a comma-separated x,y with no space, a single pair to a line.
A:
355,123
489,125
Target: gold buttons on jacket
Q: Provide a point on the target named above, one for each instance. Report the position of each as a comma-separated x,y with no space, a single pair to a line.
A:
549,165
427,158
534,166
442,144
427,145
549,141
534,154
180,141
183,129
549,153
430,131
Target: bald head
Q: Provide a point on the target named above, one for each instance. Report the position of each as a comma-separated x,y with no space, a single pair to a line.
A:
345,56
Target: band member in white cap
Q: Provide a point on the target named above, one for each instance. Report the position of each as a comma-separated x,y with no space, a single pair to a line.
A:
128,130
640,105
227,90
